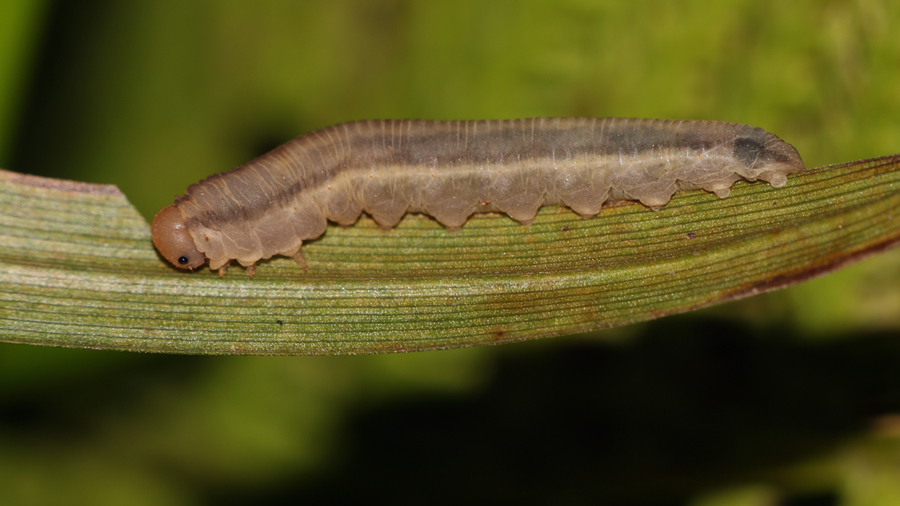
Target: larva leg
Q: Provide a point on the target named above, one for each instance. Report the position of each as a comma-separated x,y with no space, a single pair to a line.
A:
251,270
222,270
300,260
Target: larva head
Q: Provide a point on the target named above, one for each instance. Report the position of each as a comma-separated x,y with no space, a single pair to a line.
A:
173,241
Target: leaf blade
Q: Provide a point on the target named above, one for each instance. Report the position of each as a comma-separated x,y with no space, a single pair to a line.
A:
77,269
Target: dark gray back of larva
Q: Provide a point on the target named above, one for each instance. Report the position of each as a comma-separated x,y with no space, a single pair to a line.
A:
453,169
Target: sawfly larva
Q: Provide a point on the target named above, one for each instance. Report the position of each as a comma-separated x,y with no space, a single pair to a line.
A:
450,170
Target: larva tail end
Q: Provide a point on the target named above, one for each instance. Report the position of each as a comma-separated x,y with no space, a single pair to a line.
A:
173,241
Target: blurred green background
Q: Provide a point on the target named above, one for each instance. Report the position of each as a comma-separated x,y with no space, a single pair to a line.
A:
792,398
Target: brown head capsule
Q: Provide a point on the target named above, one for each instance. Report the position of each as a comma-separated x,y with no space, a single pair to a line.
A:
173,241
452,169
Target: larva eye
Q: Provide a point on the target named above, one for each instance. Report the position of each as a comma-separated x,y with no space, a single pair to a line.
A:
174,242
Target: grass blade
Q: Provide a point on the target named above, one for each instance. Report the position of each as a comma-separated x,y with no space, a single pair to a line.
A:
77,269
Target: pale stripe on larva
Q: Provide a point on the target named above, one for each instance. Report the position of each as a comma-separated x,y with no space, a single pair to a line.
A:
451,170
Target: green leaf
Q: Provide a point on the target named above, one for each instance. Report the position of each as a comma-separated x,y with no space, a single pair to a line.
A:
77,269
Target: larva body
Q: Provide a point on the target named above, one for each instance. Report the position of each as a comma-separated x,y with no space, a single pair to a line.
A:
451,170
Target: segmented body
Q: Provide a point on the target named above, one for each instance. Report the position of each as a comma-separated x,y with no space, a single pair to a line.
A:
451,170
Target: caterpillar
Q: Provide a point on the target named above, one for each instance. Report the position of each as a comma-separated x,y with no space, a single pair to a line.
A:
451,170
